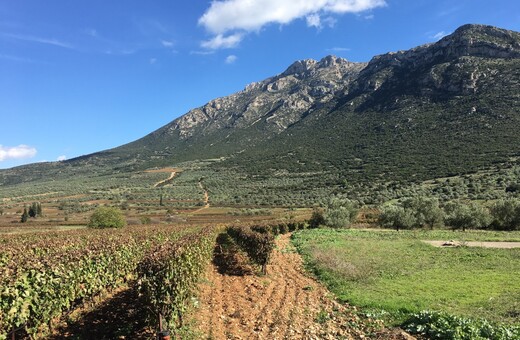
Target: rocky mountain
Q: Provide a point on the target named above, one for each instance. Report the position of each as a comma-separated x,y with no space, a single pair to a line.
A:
448,107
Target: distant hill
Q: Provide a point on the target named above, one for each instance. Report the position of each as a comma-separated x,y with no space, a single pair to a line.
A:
450,107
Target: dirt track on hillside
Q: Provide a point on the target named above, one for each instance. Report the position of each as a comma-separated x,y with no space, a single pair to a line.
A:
164,181
284,304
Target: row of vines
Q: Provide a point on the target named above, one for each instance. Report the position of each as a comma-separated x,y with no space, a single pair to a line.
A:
44,275
258,241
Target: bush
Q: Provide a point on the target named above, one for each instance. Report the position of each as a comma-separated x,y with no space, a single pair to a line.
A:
397,217
340,213
426,211
465,216
506,214
257,245
436,325
145,220
107,217
316,219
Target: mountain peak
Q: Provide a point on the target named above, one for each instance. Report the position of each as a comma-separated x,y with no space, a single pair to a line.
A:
306,66
470,40
480,28
300,66
483,41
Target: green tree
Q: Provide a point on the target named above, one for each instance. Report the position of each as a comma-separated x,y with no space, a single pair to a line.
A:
25,216
506,214
340,213
397,217
39,210
426,210
465,216
107,217
33,210
316,219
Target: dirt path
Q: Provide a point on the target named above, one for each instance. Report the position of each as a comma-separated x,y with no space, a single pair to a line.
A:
284,304
206,198
164,181
502,245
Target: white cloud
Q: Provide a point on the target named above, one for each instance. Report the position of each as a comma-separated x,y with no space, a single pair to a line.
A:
439,35
313,20
221,41
153,61
330,21
251,15
230,59
369,17
46,41
16,152
61,158
167,43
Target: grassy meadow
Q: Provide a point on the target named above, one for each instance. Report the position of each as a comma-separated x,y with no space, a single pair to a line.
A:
393,274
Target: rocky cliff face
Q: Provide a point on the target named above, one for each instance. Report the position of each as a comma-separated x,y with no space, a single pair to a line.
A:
283,100
278,101
468,41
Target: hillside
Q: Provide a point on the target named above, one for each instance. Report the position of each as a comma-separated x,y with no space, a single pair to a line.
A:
447,108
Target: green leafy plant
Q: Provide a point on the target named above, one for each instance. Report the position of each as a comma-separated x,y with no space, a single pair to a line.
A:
168,274
438,325
107,217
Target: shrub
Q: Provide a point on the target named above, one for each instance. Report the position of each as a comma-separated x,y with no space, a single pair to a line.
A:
464,216
506,214
397,217
316,219
145,220
258,246
107,217
426,211
437,325
340,213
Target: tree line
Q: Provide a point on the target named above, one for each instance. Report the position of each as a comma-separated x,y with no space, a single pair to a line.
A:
34,210
426,212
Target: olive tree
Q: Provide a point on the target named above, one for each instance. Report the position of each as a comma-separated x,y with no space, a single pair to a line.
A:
506,214
426,211
466,215
107,217
397,217
316,219
340,213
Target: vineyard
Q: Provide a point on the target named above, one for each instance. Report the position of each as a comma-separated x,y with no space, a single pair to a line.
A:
45,275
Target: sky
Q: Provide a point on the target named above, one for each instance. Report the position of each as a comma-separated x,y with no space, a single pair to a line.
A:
77,77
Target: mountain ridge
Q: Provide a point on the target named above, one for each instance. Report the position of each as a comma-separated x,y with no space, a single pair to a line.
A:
397,101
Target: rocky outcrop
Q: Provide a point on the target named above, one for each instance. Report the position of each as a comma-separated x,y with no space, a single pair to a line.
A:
277,101
449,66
284,99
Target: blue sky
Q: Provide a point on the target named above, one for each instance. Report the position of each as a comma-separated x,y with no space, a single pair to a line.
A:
78,77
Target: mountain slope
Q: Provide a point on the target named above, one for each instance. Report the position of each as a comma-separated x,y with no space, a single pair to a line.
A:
438,109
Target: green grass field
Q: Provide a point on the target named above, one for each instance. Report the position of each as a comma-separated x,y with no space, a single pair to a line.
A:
395,274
